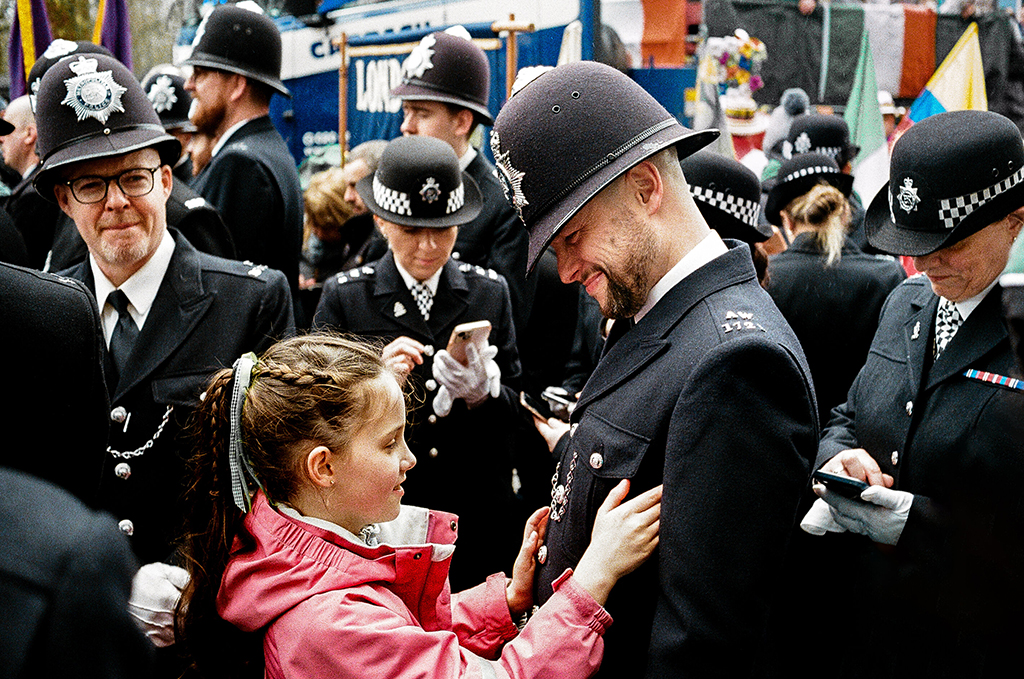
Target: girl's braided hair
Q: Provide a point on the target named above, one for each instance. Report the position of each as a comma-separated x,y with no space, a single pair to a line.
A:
309,390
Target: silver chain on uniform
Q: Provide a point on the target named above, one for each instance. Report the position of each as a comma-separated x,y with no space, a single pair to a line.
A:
560,493
129,454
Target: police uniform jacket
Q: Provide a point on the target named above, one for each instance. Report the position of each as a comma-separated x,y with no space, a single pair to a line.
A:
497,240
463,460
253,183
957,444
65,576
35,218
709,394
833,310
208,312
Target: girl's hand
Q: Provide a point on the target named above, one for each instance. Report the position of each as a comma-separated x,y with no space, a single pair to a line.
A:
519,592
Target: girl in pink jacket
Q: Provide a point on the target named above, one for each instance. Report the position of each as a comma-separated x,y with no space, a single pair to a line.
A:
303,563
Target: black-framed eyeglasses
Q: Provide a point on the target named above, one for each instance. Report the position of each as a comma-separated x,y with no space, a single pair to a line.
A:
134,182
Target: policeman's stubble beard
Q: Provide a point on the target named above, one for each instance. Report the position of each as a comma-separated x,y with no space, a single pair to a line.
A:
629,286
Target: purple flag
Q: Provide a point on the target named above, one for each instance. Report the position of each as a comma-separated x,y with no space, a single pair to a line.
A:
113,30
37,37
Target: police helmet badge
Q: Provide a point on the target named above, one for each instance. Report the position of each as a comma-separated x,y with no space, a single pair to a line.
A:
92,94
511,178
161,93
418,61
908,198
802,143
431,190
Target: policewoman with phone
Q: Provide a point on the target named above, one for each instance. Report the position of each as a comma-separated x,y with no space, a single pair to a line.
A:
412,300
933,421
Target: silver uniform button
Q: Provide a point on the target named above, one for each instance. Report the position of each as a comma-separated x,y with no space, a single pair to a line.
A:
123,471
431,385
432,452
895,458
456,255
910,407
432,418
597,460
542,554
428,350
127,527
118,414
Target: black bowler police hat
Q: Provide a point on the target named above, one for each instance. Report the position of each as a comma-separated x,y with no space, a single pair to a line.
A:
728,194
569,133
91,106
238,40
800,174
57,50
166,91
418,183
449,69
950,176
816,133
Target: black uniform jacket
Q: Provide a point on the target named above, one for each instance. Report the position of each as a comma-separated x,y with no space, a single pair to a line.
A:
65,576
833,310
497,240
954,577
463,460
54,372
709,394
35,218
208,312
253,183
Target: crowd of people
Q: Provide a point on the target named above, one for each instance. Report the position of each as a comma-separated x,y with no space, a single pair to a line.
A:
303,429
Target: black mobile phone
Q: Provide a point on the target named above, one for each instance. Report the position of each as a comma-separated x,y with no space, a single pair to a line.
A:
535,406
844,485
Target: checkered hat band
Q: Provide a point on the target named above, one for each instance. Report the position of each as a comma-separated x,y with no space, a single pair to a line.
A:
456,199
830,151
952,211
742,209
393,201
807,171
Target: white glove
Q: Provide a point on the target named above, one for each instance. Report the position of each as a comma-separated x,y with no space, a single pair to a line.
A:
881,515
473,382
818,520
156,589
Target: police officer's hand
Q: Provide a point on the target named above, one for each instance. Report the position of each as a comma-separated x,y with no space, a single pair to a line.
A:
474,382
858,464
402,355
551,430
155,592
881,513
519,592
625,535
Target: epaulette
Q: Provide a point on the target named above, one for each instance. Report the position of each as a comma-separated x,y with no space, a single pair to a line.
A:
197,202
479,271
255,270
355,274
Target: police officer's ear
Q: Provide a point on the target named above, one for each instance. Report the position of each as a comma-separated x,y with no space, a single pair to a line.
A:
63,195
645,183
463,122
166,179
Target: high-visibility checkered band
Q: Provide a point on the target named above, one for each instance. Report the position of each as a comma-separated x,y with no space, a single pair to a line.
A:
806,171
742,209
830,151
393,201
456,199
952,211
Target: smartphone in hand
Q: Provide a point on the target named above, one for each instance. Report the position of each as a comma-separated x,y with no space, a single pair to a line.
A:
464,334
846,486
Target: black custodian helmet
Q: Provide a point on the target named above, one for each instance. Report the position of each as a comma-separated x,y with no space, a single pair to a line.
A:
728,195
569,133
57,50
238,40
91,106
170,99
450,69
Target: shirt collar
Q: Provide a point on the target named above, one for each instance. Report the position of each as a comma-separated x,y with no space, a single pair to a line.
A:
967,306
142,287
702,253
467,157
431,282
224,138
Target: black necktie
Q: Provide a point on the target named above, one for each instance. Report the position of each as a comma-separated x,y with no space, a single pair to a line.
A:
619,328
125,332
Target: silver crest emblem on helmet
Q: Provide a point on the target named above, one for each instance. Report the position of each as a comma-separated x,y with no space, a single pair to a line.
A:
802,143
431,190
91,94
161,94
511,178
907,197
60,48
418,62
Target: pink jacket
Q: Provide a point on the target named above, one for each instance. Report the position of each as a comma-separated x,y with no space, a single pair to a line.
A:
335,608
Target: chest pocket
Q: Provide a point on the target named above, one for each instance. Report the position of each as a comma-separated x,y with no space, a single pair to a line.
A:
608,449
182,389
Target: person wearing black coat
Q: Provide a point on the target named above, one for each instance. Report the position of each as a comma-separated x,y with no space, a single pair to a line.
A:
827,288
65,575
463,438
933,420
